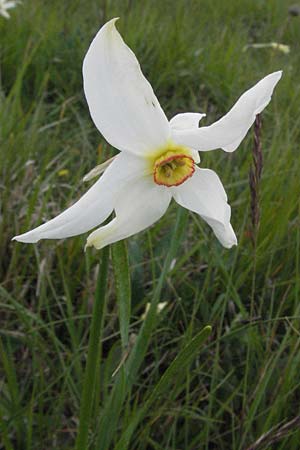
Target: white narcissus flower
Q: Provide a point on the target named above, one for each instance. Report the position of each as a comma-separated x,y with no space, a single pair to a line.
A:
5,6
158,158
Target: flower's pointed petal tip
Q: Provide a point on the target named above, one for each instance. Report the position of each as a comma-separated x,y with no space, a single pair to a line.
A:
121,101
111,24
273,79
230,243
90,242
277,74
114,20
108,27
136,209
93,207
186,120
224,232
204,194
267,85
229,131
97,240
226,235
26,238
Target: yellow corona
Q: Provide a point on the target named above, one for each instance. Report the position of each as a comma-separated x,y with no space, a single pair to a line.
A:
173,168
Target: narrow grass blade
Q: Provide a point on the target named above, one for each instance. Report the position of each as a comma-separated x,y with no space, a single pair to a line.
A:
12,384
178,365
6,443
137,355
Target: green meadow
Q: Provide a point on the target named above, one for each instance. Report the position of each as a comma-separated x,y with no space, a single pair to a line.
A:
162,381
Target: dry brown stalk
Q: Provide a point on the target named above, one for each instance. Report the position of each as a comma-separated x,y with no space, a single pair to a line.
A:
254,179
275,434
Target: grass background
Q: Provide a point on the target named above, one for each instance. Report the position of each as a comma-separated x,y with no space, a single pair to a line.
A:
244,380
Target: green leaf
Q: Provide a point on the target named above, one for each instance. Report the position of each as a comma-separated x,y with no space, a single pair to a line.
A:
178,365
123,287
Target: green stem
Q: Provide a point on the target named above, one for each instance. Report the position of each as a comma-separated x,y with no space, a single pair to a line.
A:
127,376
93,352
120,263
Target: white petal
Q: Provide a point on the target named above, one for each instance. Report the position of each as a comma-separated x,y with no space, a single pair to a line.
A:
228,132
122,103
204,194
10,5
185,121
93,207
4,14
140,205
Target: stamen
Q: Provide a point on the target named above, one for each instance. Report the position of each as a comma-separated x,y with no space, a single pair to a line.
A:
168,171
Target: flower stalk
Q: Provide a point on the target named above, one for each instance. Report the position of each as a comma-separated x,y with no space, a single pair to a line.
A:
93,353
126,377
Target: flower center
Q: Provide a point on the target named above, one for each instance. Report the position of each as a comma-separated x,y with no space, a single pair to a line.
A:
173,168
